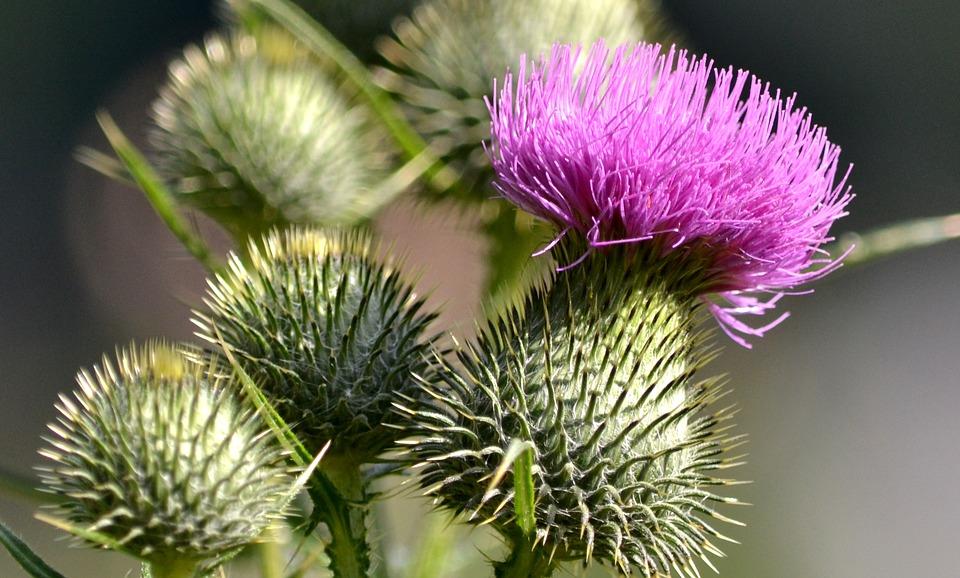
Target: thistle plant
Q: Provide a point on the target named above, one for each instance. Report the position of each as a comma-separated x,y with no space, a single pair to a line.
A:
668,197
331,335
312,158
155,453
580,422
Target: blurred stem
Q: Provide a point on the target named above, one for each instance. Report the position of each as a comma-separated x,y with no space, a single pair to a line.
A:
174,568
894,239
156,192
434,550
340,502
271,556
525,561
318,39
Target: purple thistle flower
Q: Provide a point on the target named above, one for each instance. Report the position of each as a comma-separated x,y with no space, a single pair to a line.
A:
669,150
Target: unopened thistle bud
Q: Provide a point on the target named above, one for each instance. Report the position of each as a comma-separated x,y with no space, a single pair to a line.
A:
253,131
598,372
328,331
444,58
156,452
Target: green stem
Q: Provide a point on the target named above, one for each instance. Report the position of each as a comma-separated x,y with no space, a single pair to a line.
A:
173,568
525,561
271,556
897,238
340,500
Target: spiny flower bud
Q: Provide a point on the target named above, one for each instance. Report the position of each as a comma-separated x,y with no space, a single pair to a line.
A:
328,331
445,56
156,452
252,131
598,373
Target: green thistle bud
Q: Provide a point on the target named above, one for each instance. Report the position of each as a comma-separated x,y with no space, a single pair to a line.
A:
329,333
598,373
445,57
253,132
156,453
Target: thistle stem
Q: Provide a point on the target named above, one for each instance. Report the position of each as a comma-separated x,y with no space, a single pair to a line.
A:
340,498
173,568
271,556
525,561
894,239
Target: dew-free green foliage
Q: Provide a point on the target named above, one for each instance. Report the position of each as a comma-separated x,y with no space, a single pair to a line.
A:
156,451
329,331
600,371
254,132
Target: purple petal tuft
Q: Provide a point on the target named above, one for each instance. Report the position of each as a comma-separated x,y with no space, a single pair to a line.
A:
639,146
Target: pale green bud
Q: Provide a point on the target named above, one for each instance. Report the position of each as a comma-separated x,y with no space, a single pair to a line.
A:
156,451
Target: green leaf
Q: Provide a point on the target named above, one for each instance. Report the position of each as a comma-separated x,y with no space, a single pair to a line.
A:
519,456
156,192
30,562
298,452
524,499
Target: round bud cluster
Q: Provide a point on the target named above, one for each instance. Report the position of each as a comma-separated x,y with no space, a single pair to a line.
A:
155,452
328,331
598,374
253,131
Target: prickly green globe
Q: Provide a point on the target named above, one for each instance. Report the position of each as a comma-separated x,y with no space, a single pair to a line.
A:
329,331
444,59
156,451
254,132
599,372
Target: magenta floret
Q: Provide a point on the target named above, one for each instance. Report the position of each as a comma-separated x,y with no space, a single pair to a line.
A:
641,146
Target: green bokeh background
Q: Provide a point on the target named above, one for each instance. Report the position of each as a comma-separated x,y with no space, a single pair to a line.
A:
851,405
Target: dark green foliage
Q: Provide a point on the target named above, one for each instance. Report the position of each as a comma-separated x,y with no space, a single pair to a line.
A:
599,372
329,333
156,452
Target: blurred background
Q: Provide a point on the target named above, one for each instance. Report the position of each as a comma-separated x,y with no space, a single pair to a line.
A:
851,405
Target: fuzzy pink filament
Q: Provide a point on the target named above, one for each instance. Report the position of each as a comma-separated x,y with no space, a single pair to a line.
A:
641,146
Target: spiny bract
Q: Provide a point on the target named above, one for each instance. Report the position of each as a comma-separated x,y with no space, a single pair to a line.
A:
445,57
598,372
328,331
253,131
155,451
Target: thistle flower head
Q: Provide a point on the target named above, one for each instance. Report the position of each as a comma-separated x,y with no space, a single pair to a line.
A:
254,132
600,379
155,452
445,55
642,147
329,332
